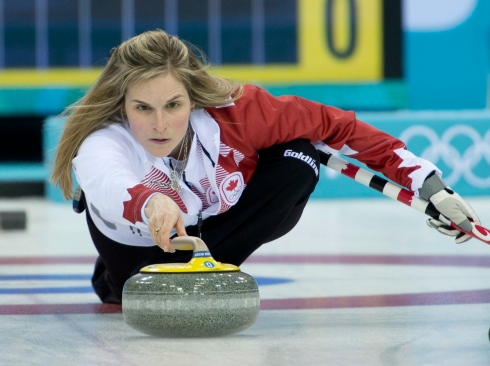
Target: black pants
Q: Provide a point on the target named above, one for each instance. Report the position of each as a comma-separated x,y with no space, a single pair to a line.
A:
270,206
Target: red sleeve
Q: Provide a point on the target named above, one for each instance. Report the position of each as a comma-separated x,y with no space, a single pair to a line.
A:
132,208
270,120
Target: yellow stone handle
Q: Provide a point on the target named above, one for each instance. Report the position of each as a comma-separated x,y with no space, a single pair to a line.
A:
201,261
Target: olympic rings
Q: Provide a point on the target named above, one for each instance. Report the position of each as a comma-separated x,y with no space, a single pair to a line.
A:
461,164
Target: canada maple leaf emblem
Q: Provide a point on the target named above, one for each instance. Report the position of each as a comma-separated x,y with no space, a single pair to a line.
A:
232,185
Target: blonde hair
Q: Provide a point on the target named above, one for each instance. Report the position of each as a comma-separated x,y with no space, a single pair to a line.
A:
140,58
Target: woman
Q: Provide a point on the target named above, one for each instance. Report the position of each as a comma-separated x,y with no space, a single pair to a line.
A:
160,148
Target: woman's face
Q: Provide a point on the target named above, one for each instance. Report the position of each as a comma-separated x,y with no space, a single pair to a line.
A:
158,112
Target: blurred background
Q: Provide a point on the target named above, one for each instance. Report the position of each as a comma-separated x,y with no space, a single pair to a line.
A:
417,69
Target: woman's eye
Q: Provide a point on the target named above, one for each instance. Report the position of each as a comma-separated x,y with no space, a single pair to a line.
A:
142,108
173,105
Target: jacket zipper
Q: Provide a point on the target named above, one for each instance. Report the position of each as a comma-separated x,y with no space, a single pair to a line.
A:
199,223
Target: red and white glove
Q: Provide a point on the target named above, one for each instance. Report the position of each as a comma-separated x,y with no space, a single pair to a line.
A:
451,206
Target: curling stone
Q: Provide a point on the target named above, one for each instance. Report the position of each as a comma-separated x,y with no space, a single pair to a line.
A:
201,298
13,220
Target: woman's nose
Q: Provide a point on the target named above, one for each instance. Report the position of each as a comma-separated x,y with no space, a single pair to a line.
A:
160,122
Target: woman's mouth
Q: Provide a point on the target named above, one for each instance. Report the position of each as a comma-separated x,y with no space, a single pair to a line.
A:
160,141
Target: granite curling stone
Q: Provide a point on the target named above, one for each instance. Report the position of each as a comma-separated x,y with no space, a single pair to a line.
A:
202,298
13,220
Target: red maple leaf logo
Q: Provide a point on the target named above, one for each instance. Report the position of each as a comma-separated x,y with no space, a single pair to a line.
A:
232,185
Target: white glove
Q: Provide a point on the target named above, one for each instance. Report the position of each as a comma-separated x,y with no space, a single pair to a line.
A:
451,206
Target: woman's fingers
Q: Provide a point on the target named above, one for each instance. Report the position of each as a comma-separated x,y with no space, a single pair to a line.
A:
180,227
164,215
161,226
163,236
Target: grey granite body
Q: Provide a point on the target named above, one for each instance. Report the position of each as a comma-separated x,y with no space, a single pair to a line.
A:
191,304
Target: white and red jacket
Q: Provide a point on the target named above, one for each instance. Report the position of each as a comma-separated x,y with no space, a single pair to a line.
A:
118,175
